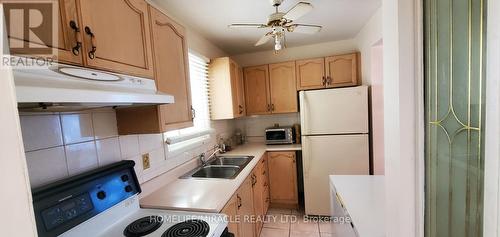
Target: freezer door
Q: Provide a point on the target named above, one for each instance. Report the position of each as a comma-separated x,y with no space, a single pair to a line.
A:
330,155
334,111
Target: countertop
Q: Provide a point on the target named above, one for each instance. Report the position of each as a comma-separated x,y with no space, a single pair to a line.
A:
209,195
364,199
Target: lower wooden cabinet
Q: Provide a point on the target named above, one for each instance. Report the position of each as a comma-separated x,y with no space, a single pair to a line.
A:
283,179
231,210
247,207
260,193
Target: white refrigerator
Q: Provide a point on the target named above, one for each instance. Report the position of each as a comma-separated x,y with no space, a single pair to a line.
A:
335,141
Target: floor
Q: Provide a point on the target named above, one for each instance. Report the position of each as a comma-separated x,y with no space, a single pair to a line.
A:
291,223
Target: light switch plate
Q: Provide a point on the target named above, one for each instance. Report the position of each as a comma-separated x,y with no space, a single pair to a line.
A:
145,161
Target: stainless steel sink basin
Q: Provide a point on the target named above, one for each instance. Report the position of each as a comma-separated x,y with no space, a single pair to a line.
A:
222,167
226,160
217,171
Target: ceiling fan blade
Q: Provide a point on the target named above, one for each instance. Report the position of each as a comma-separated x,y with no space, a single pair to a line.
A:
264,39
305,29
298,11
247,26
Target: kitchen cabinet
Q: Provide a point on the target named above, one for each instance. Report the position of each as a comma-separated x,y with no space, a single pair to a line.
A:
172,70
282,85
283,179
68,46
257,96
329,72
227,99
310,73
117,36
246,208
271,89
231,210
172,77
342,70
260,192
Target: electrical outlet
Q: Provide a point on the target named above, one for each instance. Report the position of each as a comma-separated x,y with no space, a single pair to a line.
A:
145,161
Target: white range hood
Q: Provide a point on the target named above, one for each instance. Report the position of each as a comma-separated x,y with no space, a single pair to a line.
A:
65,88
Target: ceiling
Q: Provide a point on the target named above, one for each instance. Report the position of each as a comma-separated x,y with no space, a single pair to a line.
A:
341,19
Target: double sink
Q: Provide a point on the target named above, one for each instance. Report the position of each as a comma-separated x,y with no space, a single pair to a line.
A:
222,167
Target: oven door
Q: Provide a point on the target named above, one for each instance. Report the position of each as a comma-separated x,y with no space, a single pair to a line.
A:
276,136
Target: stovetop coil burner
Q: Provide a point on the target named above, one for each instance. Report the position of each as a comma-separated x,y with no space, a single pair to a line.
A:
143,226
190,228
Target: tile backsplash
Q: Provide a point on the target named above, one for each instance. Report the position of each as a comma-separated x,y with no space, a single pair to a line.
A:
59,145
254,126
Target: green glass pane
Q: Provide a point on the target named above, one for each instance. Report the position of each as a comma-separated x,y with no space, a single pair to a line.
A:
454,107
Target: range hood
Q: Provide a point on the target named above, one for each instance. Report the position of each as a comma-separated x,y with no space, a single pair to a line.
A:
69,88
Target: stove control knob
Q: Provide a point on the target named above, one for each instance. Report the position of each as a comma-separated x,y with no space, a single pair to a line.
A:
128,189
101,195
124,178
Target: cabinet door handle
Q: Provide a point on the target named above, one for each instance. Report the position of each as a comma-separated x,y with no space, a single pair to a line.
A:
193,113
241,109
239,201
323,81
93,46
76,50
329,80
272,107
268,107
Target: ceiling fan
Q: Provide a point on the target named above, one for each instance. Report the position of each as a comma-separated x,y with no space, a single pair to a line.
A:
281,22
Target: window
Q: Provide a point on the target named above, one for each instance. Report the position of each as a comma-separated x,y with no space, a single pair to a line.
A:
198,72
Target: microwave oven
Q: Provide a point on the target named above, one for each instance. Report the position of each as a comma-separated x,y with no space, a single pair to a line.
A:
279,135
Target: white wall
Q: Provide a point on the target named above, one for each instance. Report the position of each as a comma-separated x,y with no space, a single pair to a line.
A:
403,115
16,213
294,53
377,108
492,134
368,36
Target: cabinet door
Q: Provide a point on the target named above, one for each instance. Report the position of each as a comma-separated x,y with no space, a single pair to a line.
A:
234,74
68,45
117,36
282,84
342,70
231,210
257,90
258,197
283,178
310,73
241,94
246,208
172,70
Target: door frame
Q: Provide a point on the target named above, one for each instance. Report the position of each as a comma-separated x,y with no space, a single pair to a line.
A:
492,123
403,117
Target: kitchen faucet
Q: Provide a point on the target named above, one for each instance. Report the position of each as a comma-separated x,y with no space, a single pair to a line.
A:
204,161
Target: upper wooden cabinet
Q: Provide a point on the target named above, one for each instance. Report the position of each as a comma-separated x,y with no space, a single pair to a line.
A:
283,178
282,84
342,70
68,46
310,73
226,89
270,89
171,70
257,95
117,36
329,72
171,75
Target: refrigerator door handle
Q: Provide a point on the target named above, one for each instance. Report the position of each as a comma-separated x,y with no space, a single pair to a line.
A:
306,150
303,112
